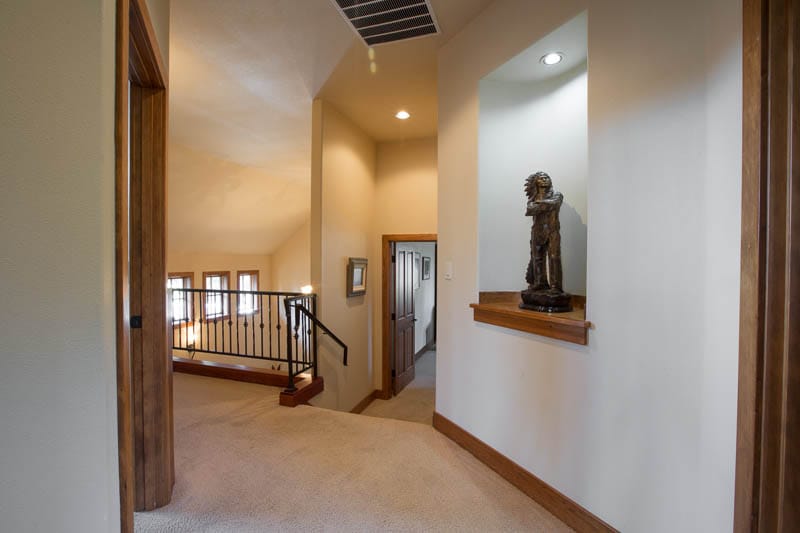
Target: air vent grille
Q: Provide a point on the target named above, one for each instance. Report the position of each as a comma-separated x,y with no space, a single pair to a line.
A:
386,21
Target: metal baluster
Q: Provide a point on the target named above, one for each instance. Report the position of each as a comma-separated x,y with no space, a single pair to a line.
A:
296,326
230,323
314,334
261,314
245,330
269,319
253,321
218,308
290,387
208,339
278,325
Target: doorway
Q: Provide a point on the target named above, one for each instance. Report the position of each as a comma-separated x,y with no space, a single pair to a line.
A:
409,325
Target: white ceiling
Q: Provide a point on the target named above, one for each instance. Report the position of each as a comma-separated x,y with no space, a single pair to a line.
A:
571,39
243,74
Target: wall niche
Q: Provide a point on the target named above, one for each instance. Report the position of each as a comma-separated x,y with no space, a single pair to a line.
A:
534,117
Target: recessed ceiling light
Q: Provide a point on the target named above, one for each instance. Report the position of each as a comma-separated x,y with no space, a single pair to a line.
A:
403,115
553,58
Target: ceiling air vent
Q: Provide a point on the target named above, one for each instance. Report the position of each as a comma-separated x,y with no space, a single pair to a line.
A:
387,21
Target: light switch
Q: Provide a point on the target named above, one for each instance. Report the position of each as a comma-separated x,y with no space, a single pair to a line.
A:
448,270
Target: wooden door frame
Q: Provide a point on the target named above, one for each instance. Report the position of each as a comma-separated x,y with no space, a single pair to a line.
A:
138,58
768,436
385,392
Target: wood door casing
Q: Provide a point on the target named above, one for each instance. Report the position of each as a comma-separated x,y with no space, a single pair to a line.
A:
767,494
403,320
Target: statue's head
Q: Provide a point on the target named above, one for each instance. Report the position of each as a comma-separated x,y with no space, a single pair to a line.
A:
538,185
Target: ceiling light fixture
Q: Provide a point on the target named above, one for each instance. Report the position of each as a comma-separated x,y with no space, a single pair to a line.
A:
553,58
403,115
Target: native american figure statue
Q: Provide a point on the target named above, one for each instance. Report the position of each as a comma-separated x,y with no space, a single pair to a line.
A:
545,291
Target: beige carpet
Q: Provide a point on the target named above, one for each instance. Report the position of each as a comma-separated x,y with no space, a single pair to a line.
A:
415,403
244,464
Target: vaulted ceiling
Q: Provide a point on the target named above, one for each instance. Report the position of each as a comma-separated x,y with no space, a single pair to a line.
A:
243,74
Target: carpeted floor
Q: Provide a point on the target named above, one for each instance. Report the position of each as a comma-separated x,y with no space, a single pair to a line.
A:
244,464
415,403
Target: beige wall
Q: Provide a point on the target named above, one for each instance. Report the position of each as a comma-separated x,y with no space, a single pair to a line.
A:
344,225
58,466
291,262
405,202
208,262
362,191
639,426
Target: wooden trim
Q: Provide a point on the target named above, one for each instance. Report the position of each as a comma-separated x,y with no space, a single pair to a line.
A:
233,372
144,385
502,309
557,503
182,275
309,389
122,274
363,404
752,265
146,66
422,351
768,438
385,391
256,273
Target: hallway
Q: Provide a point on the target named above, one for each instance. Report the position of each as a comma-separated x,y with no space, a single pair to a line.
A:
415,403
245,464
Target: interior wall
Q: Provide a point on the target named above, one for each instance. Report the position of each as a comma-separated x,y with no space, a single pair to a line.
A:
638,427
210,262
291,261
424,295
525,128
405,203
346,181
58,466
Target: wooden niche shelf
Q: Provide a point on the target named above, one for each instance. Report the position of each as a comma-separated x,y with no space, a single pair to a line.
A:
502,309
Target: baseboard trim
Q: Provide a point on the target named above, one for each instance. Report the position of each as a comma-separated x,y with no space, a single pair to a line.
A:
363,404
424,350
558,504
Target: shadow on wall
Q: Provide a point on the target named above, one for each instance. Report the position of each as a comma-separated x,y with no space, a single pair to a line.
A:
573,250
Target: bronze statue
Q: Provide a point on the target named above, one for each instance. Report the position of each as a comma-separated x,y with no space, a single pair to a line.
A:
545,291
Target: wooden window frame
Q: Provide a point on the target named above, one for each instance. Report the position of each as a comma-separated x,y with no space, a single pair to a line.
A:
226,307
185,276
257,274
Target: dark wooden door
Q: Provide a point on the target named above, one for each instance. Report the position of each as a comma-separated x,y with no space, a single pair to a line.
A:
403,319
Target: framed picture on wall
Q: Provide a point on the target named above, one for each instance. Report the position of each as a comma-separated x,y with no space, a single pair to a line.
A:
356,276
426,268
417,270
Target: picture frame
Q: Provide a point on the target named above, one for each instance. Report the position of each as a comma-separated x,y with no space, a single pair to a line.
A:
417,270
356,276
426,267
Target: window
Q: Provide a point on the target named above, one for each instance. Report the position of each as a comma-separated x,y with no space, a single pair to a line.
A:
181,301
248,281
216,303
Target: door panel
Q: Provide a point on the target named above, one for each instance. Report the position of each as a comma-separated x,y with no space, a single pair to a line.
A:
403,320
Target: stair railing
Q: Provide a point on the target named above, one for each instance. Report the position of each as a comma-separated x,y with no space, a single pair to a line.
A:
298,315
